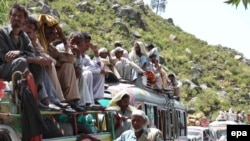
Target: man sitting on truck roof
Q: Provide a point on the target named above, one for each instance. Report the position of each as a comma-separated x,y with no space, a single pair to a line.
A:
17,53
48,33
124,66
89,70
112,74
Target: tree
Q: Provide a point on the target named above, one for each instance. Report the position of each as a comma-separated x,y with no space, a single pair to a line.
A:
158,5
3,11
237,2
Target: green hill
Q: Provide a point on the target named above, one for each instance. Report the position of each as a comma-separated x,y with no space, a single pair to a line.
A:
213,77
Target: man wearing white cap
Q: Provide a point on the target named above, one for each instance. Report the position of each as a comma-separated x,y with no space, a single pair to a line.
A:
118,44
112,75
155,67
125,66
153,50
139,131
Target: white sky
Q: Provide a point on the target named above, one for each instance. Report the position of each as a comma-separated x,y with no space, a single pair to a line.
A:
213,21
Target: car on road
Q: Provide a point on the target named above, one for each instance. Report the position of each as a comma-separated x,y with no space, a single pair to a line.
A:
197,133
218,129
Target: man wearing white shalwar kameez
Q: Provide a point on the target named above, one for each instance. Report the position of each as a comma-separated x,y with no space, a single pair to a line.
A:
118,44
112,75
92,77
138,55
153,50
125,66
156,69
91,83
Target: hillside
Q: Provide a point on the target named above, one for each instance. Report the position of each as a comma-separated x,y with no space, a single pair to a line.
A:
213,77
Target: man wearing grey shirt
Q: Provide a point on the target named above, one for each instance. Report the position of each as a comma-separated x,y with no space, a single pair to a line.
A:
139,131
15,44
17,54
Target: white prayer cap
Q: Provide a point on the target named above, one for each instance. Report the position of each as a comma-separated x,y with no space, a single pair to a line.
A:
102,50
151,53
139,113
118,49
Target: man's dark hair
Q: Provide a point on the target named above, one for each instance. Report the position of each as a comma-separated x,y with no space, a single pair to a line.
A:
19,8
31,20
76,37
150,45
171,75
118,44
86,36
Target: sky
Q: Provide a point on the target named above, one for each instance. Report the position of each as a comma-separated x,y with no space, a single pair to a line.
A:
213,21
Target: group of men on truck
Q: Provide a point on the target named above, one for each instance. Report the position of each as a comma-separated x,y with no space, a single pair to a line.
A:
66,78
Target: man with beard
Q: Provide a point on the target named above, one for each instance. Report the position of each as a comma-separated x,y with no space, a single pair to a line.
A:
15,44
17,54
139,131
138,55
49,32
30,27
